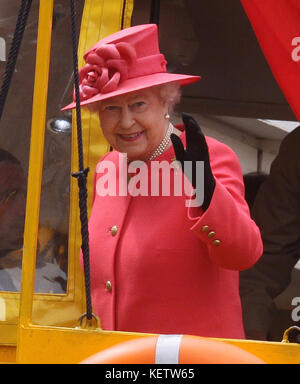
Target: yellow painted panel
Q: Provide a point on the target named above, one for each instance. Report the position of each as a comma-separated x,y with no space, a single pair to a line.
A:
66,346
7,354
270,352
56,346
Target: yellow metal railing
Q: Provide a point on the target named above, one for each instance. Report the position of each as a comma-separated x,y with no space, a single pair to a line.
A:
36,159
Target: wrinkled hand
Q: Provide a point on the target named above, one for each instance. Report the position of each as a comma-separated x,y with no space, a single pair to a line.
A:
196,150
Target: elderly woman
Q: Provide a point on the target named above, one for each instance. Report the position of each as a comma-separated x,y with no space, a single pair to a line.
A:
158,264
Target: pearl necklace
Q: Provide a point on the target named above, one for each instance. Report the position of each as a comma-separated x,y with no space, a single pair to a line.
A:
163,145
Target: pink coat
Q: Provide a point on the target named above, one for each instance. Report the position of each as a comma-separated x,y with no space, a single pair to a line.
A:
155,269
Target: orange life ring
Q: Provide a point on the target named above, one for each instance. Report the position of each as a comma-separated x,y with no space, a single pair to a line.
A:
173,349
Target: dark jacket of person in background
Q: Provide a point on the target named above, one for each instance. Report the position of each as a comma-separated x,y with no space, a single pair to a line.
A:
276,211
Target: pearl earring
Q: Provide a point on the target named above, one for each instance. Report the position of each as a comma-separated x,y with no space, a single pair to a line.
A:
167,116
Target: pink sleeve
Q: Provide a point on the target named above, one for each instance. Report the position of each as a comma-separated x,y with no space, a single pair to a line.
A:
232,237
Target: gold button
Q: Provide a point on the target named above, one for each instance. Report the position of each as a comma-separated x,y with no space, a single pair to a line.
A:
114,230
216,243
205,228
211,234
108,286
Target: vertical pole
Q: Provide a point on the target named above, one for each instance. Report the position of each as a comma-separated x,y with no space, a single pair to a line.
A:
36,159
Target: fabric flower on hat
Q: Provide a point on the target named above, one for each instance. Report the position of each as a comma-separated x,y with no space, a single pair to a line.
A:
105,68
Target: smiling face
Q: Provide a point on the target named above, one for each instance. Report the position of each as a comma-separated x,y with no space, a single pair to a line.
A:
135,123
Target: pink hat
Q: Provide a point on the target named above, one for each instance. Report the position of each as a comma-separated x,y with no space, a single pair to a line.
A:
124,62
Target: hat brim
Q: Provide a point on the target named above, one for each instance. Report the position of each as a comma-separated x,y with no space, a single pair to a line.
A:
138,83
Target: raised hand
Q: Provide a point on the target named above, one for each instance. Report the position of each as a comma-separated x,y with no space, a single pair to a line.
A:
196,151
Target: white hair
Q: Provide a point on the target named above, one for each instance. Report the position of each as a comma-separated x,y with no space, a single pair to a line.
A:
170,94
